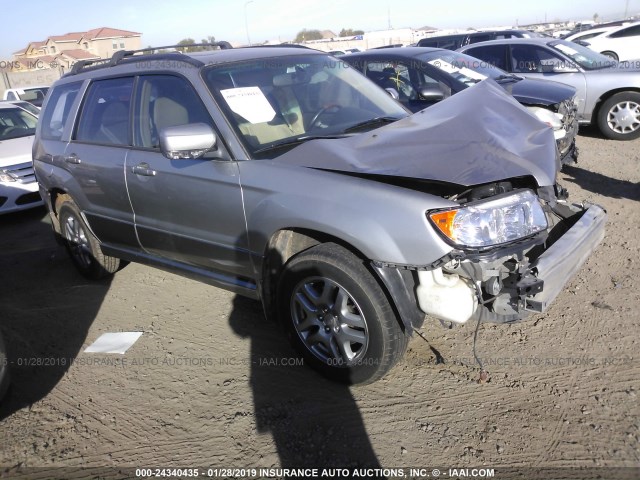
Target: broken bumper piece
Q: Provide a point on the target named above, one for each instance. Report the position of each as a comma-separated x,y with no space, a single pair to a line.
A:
558,264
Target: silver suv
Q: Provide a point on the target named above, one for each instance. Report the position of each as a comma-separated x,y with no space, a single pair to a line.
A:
284,175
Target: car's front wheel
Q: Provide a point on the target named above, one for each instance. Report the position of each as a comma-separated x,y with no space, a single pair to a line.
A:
619,116
338,317
610,54
82,245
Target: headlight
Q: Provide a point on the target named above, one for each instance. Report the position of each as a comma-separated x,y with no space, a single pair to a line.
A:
492,222
5,177
554,120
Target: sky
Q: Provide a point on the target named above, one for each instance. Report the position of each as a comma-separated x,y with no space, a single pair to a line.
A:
166,23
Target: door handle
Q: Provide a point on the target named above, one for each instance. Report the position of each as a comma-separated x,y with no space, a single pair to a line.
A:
73,158
144,170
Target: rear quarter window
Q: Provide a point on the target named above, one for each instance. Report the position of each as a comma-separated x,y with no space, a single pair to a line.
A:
57,112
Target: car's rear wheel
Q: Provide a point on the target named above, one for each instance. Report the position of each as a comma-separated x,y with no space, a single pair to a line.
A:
83,247
338,317
610,54
619,116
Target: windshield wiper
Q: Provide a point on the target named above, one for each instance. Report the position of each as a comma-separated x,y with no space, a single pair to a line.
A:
292,142
372,122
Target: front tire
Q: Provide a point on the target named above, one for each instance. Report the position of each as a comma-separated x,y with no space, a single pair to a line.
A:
83,247
338,317
610,54
619,116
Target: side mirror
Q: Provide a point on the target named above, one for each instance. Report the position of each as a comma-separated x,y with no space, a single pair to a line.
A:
393,92
431,94
187,141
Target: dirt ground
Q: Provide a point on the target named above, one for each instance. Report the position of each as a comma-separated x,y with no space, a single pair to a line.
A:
210,383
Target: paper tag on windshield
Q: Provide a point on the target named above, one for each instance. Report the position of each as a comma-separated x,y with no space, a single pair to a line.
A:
250,103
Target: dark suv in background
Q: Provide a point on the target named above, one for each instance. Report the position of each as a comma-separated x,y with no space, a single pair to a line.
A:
457,40
284,175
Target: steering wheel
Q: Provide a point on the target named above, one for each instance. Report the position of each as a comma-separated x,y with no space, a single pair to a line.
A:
321,112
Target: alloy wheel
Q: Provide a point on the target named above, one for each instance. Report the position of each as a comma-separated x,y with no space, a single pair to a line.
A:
329,321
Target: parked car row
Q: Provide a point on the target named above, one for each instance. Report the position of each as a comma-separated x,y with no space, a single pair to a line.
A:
608,92
420,77
284,175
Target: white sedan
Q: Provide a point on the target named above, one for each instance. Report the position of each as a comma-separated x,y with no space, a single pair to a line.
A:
18,186
620,43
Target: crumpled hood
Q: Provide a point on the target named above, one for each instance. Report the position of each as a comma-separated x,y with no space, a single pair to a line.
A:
477,136
15,151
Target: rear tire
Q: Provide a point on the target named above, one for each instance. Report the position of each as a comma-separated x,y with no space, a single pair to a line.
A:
83,247
619,116
338,317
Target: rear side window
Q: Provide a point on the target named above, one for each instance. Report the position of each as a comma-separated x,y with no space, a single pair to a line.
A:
57,111
495,55
104,117
481,38
627,32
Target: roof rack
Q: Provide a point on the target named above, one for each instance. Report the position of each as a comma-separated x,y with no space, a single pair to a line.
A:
119,56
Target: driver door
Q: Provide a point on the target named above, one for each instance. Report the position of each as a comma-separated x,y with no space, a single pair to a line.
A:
188,210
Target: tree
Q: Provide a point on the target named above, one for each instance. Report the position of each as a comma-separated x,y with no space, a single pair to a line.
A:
596,17
191,41
209,39
186,41
305,35
348,32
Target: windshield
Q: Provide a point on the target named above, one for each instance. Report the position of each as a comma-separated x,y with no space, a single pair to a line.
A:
465,69
15,123
583,56
287,100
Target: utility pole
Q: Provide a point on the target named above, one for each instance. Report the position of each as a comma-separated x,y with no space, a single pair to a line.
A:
626,9
246,21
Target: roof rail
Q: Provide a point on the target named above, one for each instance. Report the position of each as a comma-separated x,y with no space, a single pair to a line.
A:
120,55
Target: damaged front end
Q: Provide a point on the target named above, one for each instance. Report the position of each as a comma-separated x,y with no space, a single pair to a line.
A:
514,250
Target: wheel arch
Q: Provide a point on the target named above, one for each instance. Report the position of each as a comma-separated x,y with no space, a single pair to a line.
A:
288,242
605,96
53,196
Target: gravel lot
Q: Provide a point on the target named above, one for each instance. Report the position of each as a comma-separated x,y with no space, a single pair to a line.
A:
210,383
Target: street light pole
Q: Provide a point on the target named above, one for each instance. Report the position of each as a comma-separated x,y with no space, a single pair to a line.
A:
246,21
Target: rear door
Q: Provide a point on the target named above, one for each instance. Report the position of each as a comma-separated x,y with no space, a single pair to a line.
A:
95,157
187,210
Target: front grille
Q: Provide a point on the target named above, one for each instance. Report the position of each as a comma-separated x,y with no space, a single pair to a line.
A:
31,197
22,173
3,200
569,112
